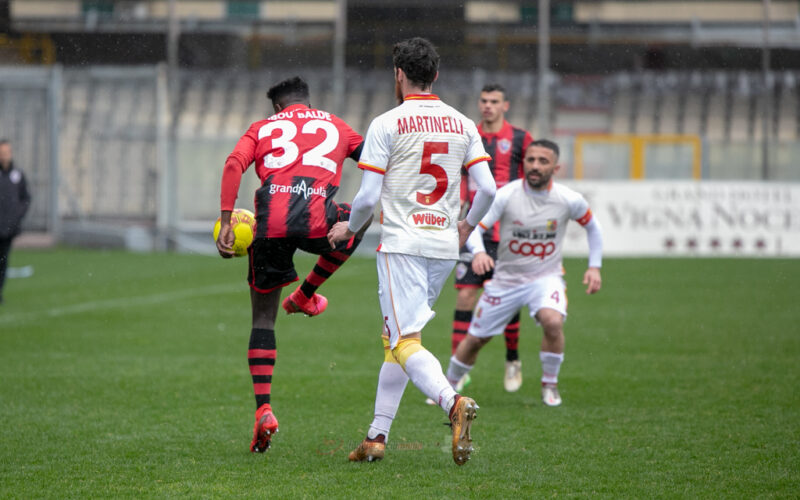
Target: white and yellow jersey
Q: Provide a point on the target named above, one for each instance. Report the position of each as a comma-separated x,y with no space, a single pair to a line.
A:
420,147
532,228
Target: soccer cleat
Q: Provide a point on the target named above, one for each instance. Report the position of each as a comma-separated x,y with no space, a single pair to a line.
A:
550,395
370,450
297,302
513,379
462,414
266,426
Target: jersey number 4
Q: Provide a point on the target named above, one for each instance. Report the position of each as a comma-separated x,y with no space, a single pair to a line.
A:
437,171
314,157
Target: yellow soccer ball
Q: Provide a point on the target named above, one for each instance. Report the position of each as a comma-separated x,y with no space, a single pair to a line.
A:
243,223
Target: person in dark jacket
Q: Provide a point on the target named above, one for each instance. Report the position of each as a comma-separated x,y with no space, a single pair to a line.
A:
14,203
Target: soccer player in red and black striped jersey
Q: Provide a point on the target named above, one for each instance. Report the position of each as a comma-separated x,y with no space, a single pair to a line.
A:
298,154
506,144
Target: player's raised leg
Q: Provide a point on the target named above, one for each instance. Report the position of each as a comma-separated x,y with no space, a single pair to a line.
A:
305,299
261,355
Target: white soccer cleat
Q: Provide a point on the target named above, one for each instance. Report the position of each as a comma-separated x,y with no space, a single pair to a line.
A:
550,395
513,379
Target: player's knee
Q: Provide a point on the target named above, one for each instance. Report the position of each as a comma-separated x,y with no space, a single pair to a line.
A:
466,299
405,348
474,344
552,322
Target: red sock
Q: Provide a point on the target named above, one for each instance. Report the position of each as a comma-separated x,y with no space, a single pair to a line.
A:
461,320
511,335
261,358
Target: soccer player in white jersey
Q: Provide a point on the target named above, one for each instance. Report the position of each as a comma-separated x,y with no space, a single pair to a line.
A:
412,161
533,213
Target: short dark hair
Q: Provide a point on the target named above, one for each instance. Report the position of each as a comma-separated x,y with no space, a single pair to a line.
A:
418,59
4,141
291,90
495,87
546,143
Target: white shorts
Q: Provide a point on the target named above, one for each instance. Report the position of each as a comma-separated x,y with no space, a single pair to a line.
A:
408,286
497,305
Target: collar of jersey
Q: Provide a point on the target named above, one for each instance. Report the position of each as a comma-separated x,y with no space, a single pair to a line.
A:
294,106
492,134
421,97
535,192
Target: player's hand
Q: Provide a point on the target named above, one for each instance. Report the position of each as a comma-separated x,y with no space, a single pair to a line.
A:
225,241
464,230
339,232
482,263
592,280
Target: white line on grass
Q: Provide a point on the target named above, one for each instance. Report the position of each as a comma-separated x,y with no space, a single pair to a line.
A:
121,302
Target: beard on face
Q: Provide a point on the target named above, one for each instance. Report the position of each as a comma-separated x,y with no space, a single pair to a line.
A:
543,180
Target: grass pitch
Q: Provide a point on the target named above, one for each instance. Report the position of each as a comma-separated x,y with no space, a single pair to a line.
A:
125,375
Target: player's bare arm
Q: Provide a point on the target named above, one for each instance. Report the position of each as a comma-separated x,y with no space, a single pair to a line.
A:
226,236
592,280
482,263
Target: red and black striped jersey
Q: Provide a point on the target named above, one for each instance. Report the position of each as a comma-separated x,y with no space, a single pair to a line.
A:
298,155
507,148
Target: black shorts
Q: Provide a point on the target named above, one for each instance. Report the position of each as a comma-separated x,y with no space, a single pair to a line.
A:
271,264
466,277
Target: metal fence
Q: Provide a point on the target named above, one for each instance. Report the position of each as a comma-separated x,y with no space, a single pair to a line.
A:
96,142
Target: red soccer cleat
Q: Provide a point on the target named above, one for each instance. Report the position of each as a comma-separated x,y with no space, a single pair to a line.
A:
297,302
266,426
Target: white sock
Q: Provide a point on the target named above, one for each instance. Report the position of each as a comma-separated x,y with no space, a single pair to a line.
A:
456,370
425,372
551,364
392,382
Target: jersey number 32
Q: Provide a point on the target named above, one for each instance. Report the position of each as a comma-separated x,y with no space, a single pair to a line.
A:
285,140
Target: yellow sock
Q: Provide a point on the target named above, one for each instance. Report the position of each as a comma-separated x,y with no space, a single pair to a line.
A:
387,352
405,348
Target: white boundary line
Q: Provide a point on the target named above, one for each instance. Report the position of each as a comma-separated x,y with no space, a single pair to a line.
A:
118,303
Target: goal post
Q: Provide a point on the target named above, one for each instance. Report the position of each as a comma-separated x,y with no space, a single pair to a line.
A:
602,156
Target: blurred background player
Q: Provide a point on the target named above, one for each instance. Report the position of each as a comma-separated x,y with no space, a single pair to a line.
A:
506,144
298,153
14,202
533,214
412,159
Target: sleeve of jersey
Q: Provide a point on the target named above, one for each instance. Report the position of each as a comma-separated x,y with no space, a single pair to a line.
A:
365,200
487,189
352,137
579,210
475,152
594,234
236,164
377,147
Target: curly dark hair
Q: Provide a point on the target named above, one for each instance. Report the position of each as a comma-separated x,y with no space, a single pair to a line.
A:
418,59
291,90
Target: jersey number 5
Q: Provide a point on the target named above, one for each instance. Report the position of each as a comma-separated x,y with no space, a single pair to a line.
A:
439,174
315,157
